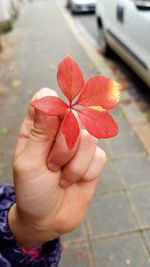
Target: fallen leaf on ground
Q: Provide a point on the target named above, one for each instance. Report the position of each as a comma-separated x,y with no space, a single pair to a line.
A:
16,83
4,130
81,255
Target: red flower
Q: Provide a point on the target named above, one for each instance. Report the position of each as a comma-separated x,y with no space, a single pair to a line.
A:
98,95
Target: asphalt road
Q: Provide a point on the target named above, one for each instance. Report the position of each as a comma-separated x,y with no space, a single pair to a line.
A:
133,83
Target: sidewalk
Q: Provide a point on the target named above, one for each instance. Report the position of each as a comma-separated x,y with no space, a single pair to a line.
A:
116,232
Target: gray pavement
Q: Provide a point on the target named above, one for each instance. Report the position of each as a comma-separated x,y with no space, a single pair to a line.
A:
116,231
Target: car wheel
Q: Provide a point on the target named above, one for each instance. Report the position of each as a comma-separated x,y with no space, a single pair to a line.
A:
72,9
1,47
104,47
6,26
68,4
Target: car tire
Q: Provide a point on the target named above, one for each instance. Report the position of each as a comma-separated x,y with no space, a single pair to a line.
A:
104,47
6,26
1,46
72,10
68,4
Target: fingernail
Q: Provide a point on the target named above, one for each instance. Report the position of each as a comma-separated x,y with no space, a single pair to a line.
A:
64,183
53,166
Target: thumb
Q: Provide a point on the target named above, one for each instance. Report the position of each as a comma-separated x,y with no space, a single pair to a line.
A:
38,131
42,136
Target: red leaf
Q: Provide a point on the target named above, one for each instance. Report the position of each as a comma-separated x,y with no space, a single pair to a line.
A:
70,129
100,91
51,105
98,123
70,78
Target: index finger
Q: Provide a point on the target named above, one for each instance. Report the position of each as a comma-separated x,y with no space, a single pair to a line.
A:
60,155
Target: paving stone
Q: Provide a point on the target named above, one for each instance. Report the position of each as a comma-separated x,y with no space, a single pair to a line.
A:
147,238
103,144
141,201
120,251
108,214
77,235
115,111
135,170
108,180
125,145
75,256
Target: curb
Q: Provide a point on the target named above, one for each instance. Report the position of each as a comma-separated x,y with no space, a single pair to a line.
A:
128,106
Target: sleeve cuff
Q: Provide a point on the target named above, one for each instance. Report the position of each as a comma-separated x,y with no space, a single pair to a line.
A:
49,253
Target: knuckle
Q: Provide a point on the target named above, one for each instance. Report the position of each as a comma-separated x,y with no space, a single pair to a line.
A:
44,92
37,133
88,137
101,155
76,171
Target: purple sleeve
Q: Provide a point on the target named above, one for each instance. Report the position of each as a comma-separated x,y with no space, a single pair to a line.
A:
4,262
11,254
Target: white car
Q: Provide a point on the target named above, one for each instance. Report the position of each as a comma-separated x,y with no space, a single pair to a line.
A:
124,26
8,11
77,6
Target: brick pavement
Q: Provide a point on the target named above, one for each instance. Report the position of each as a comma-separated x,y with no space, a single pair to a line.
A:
116,231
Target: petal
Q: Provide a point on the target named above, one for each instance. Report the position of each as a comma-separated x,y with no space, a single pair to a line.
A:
70,129
100,91
98,123
70,78
51,105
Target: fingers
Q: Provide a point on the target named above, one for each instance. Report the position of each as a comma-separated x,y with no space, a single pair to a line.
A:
88,190
60,155
96,166
78,166
38,130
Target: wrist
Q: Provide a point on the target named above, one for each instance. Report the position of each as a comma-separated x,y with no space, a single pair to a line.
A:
24,232
10,248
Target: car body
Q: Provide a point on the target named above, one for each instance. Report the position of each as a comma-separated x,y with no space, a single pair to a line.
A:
77,6
124,26
9,9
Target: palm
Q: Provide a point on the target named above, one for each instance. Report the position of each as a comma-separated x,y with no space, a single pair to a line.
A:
42,198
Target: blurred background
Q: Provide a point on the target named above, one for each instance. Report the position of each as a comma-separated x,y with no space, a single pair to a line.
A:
109,37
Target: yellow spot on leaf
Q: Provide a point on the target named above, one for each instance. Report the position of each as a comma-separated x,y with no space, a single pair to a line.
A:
98,108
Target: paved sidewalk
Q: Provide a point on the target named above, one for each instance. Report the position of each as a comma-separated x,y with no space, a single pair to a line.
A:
116,232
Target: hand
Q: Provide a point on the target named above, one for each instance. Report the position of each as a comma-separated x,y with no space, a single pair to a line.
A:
53,184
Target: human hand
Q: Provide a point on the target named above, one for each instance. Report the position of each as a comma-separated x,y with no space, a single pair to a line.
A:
53,185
